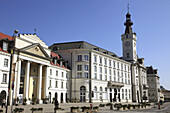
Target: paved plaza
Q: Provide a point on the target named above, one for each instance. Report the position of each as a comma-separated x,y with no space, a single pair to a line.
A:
49,108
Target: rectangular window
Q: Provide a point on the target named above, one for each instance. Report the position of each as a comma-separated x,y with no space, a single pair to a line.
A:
127,55
56,73
95,58
114,64
4,79
105,61
86,57
50,71
110,63
105,70
79,75
121,66
100,60
110,78
62,86
86,67
49,83
118,65
100,76
5,46
105,77
86,75
56,84
110,72
79,58
79,67
95,75
100,69
95,68
5,62
62,74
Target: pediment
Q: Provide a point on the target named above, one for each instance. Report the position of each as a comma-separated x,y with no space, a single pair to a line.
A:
35,49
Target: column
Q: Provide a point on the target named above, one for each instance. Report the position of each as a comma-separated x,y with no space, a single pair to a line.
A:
46,83
27,75
39,84
18,79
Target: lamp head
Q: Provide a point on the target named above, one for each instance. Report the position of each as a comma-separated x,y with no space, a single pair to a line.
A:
15,31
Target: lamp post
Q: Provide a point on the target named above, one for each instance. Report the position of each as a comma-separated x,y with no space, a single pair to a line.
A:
12,47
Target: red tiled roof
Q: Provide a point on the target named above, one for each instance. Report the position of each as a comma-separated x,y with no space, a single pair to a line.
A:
3,36
3,50
58,65
55,55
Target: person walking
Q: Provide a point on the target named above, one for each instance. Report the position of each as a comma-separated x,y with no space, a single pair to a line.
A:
3,103
56,105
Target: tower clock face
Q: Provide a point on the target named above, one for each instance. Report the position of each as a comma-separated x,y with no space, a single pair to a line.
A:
127,44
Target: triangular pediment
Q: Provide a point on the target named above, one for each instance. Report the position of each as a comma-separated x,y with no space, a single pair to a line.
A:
35,49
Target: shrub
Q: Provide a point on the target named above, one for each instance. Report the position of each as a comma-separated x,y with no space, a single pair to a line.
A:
102,105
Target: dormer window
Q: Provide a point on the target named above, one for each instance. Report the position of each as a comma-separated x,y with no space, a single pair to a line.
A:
5,46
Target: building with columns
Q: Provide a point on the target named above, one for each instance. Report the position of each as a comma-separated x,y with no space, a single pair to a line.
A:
36,71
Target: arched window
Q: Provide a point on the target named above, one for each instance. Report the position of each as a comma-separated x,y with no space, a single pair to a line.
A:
82,94
122,93
101,97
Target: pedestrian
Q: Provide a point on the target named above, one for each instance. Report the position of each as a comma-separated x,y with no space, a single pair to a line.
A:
159,106
3,103
56,103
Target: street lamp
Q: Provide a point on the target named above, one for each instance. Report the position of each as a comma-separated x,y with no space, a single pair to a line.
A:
12,48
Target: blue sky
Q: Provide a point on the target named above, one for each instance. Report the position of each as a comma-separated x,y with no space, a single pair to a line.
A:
100,22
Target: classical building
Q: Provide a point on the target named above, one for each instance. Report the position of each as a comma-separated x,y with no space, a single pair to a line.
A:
99,75
36,71
166,94
154,85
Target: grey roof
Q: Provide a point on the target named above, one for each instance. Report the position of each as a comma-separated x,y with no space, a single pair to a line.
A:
79,45
150,70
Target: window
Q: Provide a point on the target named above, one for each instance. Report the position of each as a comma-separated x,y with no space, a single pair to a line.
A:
4,79
110,72
129,94
62,74
125,79
95,58
126,93
86,57
95,75
79,58
95,68
5,62
110,63
100,76
105,89
100,69
105,77
5,46
121,66
105,61
110,78
56,84
79,75
127,55
56,73
125,67
105,70
49,83
86,67
100,60
113,63
122,94
79,67
118,65
86,75
62,86
50,71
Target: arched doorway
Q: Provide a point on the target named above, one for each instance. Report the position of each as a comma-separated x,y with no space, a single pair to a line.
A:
61,97
95,92
2,96
49,97
115,93
56,96
110,94
101,95
82,94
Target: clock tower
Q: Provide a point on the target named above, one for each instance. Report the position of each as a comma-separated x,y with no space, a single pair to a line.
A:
129,41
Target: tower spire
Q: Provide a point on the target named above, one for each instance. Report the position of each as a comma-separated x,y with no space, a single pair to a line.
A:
128,22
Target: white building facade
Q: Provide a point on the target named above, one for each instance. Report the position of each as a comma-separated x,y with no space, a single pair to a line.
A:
34,74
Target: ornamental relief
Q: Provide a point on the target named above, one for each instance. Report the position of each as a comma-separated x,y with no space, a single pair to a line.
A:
36,50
